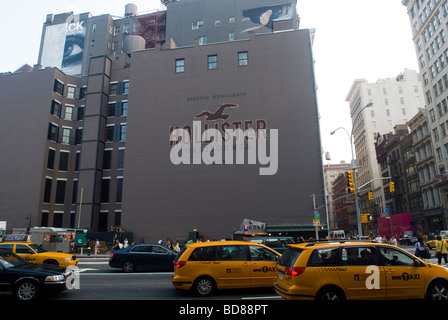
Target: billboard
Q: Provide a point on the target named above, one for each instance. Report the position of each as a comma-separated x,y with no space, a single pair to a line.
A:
63,45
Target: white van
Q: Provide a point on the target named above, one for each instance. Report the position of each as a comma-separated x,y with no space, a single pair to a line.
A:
337,234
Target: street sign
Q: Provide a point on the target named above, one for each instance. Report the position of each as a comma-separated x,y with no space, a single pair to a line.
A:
316,215
316,222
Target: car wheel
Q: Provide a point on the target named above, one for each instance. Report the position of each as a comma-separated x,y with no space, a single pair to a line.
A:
330,293
438,290
204,286
27,290
128,266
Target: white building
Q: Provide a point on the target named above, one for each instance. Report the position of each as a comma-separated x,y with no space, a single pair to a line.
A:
395,101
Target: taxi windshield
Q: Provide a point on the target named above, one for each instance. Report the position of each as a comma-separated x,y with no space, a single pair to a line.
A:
37,248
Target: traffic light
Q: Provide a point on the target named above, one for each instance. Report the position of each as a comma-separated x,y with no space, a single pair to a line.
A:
370,195
366,218
391,186
350,182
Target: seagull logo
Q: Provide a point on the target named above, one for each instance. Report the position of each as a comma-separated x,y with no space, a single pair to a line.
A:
218,114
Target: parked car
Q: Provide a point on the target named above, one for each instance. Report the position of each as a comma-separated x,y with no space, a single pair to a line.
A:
34,253
407,240
29,280
357,271
152,257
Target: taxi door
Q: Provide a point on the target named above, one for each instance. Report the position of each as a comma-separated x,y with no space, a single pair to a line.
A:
26,253
231,268
360,273
262,266
404,279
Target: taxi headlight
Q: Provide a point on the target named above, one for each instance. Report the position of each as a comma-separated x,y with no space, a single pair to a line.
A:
66,259
55,278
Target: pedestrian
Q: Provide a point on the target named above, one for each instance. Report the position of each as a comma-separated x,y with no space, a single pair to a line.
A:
420,248
116,245
441,250
126,243
169,244
393,241
97,246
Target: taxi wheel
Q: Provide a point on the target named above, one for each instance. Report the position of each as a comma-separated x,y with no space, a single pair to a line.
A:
128,266
204,286
438,290
27,290
330,293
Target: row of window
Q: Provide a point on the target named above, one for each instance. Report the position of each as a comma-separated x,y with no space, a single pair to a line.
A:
212,62
197,25
115,88
58,219
61,186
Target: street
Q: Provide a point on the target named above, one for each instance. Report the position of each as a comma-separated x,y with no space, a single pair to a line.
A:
98,281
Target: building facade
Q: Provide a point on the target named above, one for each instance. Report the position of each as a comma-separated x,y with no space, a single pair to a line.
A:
428,20
395,101
110,140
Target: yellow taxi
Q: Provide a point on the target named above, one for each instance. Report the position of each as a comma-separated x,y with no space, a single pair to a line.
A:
36,254
432,243
355,270
209,266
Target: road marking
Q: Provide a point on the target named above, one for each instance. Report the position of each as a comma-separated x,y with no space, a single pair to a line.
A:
124,274
256,298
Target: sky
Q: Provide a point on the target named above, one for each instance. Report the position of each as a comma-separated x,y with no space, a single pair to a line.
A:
354,39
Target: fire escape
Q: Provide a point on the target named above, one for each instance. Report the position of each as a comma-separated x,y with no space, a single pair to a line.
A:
152,27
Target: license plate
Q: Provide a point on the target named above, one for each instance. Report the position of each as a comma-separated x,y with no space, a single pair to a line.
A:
280,276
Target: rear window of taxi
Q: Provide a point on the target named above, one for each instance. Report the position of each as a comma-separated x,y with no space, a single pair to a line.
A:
289,257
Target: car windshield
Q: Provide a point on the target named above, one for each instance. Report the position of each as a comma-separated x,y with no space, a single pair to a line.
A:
10,260
37,248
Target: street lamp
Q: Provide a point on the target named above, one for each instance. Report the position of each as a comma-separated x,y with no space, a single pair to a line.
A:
350,136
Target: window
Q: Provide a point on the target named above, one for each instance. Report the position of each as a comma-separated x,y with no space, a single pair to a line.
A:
231,253
125,87
47,192
113,89
63,161
58,87
50,160
71,92
66,135
56,108
217,23
60,191
53,132
261,254
202,40
212,62
68,113
197,25
119,193
110,133
324,257
122,132
180,65
120,158
105,185
107,159
231,36
232,20
359,256
392,257
243,59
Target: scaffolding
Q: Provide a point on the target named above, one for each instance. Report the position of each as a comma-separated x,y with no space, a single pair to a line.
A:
152,27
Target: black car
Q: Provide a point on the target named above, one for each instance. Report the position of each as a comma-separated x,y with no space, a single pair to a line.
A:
28,280
152,257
